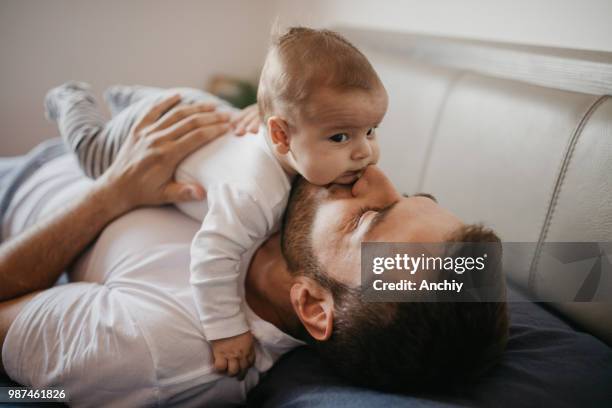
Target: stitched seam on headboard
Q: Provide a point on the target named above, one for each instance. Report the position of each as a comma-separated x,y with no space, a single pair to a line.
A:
434,130
569,151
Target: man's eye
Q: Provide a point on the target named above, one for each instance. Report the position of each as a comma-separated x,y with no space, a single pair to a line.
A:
359,215
339,138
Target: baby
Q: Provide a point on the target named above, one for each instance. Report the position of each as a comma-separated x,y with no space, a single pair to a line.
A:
319,101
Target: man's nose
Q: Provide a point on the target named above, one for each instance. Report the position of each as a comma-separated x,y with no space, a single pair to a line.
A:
362,151
374,185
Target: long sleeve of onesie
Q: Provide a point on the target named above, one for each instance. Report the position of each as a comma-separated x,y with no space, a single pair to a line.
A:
237,219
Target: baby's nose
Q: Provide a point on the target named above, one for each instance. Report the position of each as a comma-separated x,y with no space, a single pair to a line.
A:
363,151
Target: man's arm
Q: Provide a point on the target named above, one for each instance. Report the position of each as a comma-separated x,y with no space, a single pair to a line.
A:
36,258
141,175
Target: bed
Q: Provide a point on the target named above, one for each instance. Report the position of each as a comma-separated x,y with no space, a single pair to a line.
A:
519,138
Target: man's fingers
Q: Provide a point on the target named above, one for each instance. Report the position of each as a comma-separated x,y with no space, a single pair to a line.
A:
156,111
197,138
253,127
179,192
252,123
246,120
233,367
238,118
195,121
246,123
181,112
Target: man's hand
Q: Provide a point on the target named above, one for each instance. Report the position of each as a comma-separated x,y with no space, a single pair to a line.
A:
234,355
142,173
246,121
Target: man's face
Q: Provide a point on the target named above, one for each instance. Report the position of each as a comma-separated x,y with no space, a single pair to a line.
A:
344,216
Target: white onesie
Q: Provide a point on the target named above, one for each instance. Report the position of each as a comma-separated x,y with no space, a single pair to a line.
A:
247,192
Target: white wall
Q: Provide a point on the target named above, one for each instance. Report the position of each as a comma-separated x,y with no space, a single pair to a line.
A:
583,24
163,43
166,43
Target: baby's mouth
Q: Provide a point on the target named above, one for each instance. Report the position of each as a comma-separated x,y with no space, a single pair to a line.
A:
349,177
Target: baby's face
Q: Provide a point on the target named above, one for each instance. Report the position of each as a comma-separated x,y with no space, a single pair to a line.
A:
334,138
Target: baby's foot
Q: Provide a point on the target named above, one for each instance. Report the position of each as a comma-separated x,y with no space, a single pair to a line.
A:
57,97
118,97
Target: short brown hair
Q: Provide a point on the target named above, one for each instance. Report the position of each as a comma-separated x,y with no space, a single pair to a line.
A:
304,58
417,345
404,346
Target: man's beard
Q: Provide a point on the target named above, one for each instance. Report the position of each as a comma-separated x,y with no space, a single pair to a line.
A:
296,238
297,228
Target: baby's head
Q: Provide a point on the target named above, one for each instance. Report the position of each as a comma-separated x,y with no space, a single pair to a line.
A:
321,102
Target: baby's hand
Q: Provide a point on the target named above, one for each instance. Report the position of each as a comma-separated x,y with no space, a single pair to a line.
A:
234,355
247,120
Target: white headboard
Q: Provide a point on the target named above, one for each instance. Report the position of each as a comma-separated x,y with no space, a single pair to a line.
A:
518,138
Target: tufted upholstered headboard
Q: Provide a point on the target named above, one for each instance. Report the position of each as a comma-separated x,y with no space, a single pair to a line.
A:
518,138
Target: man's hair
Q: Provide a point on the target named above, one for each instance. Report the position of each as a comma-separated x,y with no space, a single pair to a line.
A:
304,59
404,346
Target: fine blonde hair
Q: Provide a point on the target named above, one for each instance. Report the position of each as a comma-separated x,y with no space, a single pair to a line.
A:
304,59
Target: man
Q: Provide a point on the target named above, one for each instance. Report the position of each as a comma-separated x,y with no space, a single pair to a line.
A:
126,333
388,346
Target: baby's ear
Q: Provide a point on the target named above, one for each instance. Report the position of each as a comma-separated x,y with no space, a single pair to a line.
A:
278,130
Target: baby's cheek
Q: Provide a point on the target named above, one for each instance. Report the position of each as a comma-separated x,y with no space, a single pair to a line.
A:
323,170
375,153
318,174
336,168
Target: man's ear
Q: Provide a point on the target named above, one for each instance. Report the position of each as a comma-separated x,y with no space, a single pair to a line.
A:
314,307
278,130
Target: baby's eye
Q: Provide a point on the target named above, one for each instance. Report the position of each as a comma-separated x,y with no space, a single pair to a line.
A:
371,131
339,138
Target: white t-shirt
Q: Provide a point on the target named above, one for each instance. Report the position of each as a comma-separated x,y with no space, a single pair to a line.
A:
127,332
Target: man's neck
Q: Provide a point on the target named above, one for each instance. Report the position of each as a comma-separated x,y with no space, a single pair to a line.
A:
267,288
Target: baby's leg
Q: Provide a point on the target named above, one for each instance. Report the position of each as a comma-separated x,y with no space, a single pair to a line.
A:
119,97
81,125
96,142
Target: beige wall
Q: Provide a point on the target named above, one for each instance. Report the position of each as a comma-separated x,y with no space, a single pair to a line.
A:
166,43
583,24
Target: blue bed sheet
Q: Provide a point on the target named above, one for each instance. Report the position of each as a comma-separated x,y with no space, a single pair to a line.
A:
547,364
